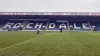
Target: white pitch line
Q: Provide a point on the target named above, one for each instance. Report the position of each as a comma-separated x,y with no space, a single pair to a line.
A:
24,41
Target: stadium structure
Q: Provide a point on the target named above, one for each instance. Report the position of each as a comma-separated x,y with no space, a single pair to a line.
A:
50,21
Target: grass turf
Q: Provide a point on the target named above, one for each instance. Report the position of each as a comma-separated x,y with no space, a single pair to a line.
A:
53,44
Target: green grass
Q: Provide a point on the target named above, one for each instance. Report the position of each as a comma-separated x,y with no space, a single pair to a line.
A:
49,44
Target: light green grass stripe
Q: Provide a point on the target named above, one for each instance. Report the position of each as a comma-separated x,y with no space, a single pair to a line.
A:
25,41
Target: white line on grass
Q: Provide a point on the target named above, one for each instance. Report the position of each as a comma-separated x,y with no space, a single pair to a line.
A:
24,41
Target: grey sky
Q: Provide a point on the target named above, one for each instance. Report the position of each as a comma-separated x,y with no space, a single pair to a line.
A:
50,5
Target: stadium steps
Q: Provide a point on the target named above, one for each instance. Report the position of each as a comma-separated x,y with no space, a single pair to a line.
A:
47,26
90,26
68,26
24,24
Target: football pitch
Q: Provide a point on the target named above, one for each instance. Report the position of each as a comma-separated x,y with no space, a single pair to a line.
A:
24,43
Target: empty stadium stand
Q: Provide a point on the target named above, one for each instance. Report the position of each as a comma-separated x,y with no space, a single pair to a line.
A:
50,25
49,22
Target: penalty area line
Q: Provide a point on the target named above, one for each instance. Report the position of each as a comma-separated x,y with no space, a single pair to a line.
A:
24,41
